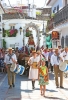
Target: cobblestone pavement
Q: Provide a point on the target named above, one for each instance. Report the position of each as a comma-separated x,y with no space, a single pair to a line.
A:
23,89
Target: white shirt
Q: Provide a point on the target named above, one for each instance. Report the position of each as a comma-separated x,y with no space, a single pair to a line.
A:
54,60
65,55
61,55
32,59
46,55
40,57
7,59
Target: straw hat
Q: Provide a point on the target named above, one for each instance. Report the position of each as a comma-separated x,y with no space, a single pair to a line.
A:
10,48
56,49
38,52
33,51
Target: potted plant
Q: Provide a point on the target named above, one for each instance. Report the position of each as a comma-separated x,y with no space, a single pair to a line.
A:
13,32
28,32
10,33
4,44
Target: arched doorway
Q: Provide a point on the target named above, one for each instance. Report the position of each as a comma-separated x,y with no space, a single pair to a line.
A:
34,26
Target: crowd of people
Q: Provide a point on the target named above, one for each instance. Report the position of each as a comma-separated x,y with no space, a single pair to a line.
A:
45,60
40,62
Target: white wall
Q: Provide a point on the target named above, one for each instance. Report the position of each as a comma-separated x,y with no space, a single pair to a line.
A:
64,32
18,40
58,2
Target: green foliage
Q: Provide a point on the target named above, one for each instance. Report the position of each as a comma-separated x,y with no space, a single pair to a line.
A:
4,33
52,15
38,13
28,32
4,44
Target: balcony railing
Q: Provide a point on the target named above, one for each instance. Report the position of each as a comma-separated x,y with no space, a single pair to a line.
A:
61,16
50,24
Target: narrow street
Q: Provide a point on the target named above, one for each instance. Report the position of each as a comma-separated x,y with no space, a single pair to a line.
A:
23,89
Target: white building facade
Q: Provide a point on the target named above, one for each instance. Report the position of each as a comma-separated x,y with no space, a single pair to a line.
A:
60,21
18,40
1,12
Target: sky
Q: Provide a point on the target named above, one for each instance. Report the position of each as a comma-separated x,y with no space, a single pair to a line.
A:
38,3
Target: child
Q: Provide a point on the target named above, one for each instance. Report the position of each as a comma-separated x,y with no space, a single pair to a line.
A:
43,77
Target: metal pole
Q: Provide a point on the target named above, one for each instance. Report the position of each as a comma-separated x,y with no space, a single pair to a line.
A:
21,1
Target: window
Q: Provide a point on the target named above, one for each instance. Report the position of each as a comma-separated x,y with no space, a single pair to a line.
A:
66,40
62,42
58,8
53,11
54,8
12,27
0,18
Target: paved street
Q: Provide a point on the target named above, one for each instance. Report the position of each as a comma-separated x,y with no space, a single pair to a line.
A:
23,89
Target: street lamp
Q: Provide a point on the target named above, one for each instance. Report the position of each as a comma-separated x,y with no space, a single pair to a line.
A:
44,33
20,30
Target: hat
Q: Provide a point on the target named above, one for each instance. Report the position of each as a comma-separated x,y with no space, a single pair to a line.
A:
59,45
38,52
56,49
33,51
10,48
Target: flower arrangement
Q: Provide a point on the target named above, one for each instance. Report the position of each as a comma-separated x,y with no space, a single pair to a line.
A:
10,33
28,32
13,32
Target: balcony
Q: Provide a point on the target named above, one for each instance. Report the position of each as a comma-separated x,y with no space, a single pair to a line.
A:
61,16
50,24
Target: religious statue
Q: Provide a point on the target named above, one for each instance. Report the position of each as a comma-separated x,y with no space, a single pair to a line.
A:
31,40
31,43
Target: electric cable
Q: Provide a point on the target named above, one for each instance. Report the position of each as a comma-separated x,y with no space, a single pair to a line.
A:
44,4
10,4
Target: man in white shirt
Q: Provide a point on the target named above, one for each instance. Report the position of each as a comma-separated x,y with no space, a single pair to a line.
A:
39,55
9,59
55,62
64,58
46,55
50,54
65,54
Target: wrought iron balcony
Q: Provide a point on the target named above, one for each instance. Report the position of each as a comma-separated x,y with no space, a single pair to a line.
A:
50,25
61,16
